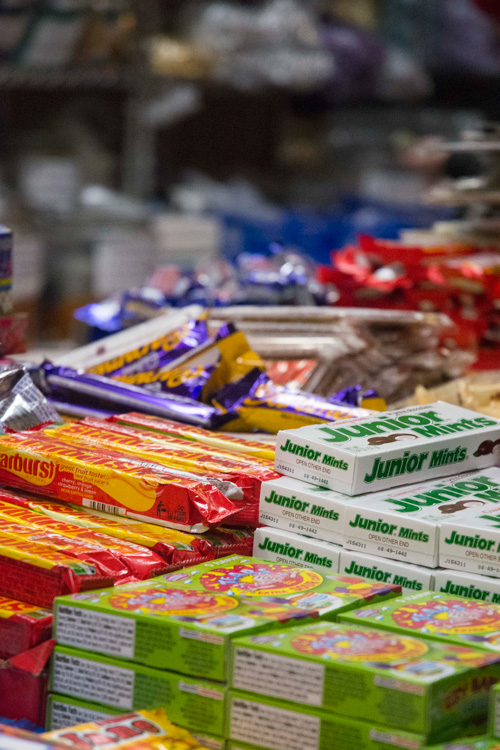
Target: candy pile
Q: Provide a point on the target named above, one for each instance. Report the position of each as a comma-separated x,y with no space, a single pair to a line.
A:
186,374
442,274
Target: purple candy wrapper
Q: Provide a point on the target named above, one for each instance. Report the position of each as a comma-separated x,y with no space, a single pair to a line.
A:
255,403
71,386
159,353
188,382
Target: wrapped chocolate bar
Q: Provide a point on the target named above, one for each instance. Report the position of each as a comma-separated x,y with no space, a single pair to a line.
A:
157,354
256,404
22,626
111,481
120,558
188,382
195,435
66,384
36,573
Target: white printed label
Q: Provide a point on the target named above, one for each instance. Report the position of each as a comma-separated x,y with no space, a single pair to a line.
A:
207,637
94,631
93,681
278,676
282,729
64,715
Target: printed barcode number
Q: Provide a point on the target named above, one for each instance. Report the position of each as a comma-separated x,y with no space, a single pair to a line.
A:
104,507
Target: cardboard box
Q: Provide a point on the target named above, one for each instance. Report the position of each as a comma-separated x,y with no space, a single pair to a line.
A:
441,617
302,508
356,456
391,679
194,704
404,523
65,711
482,588
23,684
473,544
481,742
22,626
409,577
494,719
293,549
254,720
185,621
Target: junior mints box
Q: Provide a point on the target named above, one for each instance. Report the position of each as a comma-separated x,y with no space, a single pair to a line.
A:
387,678
441,617
409,577
184,621
473,544
457,582
357,456
303,508
193,704
404,523
293,549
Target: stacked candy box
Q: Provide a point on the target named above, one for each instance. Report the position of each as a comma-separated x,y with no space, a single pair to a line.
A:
166,641
410,497
354,680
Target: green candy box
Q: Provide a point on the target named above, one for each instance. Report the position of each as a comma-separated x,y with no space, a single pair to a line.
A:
185,622
386,678
441,617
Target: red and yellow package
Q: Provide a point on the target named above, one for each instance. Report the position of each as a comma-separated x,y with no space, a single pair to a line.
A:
174,455
122,559
140,729
177,548
228,472
196,435
22,626
36,573
108,480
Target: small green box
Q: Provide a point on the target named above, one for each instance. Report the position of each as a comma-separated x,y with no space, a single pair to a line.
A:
185,621
442,617
482,742
65,711
494,717
193,704
263,722
388,679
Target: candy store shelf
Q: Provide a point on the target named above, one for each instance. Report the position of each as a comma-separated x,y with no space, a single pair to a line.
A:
15,77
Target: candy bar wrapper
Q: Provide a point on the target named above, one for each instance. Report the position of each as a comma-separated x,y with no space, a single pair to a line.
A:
121,559
158,353
188,382
194,435
36,573
146,453
266,407
22,405
68,385
177,548
219,465
109,481
22,626
131,730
